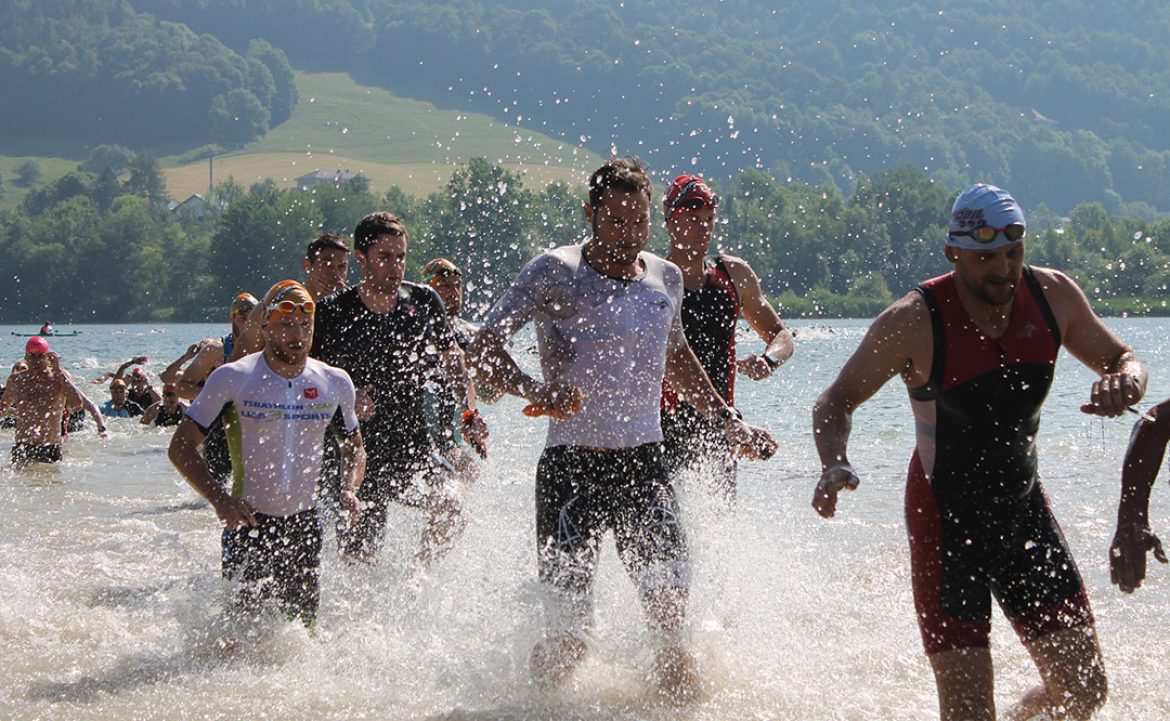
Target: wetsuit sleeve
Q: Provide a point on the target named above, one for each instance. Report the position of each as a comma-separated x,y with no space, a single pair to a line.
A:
325,332
439,329
521,301
218,391
345,420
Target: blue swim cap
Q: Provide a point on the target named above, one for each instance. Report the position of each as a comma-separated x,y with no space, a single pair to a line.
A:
983,205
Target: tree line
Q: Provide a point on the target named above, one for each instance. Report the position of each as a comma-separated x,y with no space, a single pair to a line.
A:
1065,102
103,246
98,71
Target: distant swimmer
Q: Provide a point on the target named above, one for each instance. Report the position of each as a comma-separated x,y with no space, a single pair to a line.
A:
609,330
46,329
717,291
285,401
387,332
119,405
38,399
1133,538
977,349
167,412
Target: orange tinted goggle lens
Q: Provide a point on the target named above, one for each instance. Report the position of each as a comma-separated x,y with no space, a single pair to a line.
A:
986,233
288,306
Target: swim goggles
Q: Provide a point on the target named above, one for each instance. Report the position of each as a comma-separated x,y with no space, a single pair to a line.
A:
682,202
986,233
289,306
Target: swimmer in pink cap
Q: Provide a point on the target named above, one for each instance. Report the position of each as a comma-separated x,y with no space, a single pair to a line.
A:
38,399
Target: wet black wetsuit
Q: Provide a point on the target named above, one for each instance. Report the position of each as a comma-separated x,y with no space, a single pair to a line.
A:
388,355
692,442
979,521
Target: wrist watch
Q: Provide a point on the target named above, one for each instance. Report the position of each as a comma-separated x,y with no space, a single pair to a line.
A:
772,362
729,414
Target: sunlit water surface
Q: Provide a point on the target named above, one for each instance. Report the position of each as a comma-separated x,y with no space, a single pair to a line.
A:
111,603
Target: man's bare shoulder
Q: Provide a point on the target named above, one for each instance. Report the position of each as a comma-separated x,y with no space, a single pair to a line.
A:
907,315
1052,280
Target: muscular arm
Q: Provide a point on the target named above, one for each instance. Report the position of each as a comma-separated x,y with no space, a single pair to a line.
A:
762,317
184,454
457,376
491,361
121,372
1122,379
209,358
150,414
75,399
173,372
1133,538
353,471
898,342
686,375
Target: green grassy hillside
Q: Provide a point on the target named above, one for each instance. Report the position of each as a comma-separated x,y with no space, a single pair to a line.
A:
392,140
340,124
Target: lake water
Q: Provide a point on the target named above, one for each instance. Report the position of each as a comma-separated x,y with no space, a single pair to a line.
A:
111,602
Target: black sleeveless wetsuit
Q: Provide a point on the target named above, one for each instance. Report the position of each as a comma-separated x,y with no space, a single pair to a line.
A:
692,442
978,519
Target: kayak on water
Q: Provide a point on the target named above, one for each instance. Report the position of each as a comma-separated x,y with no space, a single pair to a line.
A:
54,334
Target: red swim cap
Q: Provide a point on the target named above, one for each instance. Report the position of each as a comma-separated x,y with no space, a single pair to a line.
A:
36,344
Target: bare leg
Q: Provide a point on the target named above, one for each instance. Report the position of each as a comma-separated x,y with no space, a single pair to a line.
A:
675,674
445,523
965,683
555,658
1072,674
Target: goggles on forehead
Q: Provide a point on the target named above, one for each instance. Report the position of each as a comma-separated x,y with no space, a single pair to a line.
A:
986,233
290,306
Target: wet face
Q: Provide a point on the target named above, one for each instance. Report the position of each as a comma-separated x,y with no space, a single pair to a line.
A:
992,275
384,263
118,393
621,225
288,336
328,270
36,362
449,286
691,229
170,400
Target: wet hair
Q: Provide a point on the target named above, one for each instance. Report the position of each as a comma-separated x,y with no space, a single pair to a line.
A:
375,225
625,174
325,241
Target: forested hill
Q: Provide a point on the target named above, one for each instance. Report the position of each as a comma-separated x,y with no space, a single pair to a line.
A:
97,72
1062,101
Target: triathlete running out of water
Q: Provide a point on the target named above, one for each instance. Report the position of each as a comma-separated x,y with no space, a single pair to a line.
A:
443,414
977,349
38,398
717,290
608,330
386,332
285,402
